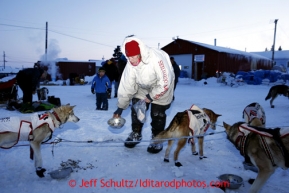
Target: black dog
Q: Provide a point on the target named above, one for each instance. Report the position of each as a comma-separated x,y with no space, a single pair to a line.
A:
275,91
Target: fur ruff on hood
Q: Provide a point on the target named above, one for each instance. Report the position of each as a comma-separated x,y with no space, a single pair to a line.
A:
144,50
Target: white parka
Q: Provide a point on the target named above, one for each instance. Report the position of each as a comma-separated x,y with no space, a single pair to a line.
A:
154,76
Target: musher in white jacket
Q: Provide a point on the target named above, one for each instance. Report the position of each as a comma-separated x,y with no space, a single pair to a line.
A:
148,76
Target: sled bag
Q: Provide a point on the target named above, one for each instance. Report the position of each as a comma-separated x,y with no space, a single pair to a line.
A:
54,100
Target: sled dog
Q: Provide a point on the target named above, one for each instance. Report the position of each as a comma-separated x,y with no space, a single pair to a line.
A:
194,121
35,128
267,149
275,91
254,115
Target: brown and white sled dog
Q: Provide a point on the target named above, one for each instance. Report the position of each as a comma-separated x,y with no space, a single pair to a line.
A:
35,129
275,91
254,115
192,122
267,149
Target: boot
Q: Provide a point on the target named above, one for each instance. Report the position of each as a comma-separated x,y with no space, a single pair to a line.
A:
154,147
10,107
133,139
104,107
135,136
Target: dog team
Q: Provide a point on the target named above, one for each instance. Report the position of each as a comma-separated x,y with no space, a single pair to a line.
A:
149,76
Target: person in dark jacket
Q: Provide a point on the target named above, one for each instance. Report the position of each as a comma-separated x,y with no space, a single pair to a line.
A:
121,63
101,86
177,72
28,81
112,73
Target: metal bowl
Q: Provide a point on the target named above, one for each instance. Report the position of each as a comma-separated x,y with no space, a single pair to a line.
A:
61,173
234,181
116,122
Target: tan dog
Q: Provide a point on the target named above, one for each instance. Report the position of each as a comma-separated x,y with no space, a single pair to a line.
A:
253,115
180,128
213,119
267,149
35,128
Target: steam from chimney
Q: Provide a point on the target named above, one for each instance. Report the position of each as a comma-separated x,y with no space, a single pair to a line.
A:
49,60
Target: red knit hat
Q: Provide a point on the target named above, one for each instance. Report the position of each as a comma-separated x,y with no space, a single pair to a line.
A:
132,49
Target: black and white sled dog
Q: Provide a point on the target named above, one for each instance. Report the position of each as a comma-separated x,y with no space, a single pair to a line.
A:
35,129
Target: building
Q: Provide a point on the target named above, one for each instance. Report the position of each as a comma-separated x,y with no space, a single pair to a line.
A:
98,63
76,69
203,60
68,69
281,57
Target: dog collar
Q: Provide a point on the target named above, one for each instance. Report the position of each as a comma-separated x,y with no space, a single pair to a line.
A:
56,116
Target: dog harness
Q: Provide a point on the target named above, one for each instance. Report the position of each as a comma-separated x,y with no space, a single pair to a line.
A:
24,126
199,121
252,111
245,130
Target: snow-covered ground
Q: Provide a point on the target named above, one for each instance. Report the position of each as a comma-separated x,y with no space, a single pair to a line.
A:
105,165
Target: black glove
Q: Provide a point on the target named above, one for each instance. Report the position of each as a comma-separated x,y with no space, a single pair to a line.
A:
108,90
92,91
118,111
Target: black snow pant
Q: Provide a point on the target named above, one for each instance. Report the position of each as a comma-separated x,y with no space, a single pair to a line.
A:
158,116
101,101
27,93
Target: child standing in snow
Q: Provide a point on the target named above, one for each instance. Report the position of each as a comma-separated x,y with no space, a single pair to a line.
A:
101,85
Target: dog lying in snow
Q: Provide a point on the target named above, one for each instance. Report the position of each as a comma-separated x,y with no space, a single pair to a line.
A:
35,128
266,148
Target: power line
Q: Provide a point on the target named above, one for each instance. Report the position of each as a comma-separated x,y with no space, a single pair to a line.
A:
285,33
79,38
19,61
21,26
16,61
53,31
57,33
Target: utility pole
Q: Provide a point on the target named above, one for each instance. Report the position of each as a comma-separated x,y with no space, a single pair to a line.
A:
46,41
4,59
273,47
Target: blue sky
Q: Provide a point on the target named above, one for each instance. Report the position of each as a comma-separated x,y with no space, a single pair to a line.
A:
91,29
